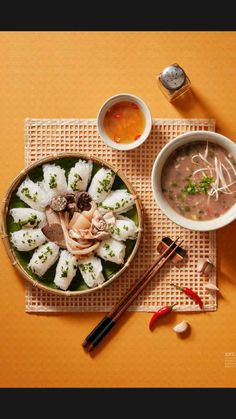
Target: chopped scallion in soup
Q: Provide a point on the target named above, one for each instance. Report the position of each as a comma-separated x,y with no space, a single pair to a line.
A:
199,181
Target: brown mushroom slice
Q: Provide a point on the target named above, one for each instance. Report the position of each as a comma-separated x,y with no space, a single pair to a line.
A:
58,203
70,197
54,233
71,204
83,201
52,216
66,219
71,208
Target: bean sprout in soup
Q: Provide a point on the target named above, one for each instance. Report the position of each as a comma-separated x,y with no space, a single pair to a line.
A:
199,181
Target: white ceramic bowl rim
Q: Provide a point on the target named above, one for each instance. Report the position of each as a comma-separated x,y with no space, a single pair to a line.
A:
166,151
111,101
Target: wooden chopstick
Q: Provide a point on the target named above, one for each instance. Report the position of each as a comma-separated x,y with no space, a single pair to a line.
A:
138,286
108,321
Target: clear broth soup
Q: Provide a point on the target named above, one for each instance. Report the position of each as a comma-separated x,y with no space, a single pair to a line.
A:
199,181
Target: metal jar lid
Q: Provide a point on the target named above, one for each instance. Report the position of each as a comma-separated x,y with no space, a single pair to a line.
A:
173,77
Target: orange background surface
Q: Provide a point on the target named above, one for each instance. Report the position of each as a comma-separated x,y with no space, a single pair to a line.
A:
69,75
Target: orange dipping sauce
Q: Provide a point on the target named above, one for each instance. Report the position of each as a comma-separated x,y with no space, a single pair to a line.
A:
124,122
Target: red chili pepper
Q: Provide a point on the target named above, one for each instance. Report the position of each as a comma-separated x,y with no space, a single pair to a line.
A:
117,115
117,139
134,106
159,313
192,294
137,137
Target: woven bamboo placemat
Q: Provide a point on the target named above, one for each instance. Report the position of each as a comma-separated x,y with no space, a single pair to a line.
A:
45,137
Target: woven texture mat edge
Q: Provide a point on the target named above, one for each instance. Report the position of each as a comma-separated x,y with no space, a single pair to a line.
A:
51,136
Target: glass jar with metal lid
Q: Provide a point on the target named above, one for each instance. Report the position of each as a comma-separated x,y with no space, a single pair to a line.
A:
173,82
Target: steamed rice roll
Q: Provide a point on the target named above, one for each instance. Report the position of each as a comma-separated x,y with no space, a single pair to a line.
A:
79,176
27,239
112,250
28,217
54,179
66,270
123,229
118,201
33,194
43,258
101,184
91,271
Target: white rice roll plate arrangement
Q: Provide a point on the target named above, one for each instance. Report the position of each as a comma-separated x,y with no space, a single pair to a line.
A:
65,270
43,258
27,239
79,176
112,250
63,224
54,179
33,194
124,229
28,217
101,184
118,201
91,271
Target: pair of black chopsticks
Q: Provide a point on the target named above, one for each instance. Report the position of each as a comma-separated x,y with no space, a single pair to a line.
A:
107,323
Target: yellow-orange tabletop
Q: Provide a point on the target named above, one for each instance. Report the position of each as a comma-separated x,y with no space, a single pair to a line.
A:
69,75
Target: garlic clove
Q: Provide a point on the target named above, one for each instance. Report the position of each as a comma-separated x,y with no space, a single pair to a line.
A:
211,287
204,266
181,327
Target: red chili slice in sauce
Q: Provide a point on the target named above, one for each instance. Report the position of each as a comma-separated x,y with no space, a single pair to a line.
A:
134,106
117,139
137,137
117,115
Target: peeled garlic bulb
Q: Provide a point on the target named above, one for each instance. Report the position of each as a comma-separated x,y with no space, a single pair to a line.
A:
181,327
204,266
211,287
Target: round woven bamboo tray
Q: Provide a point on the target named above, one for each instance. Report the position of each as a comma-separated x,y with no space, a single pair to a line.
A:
5,209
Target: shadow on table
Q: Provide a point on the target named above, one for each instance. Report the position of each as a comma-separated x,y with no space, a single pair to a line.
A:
169,320
194,105
226,245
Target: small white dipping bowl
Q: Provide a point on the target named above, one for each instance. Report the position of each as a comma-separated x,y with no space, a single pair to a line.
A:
120,98
166,151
